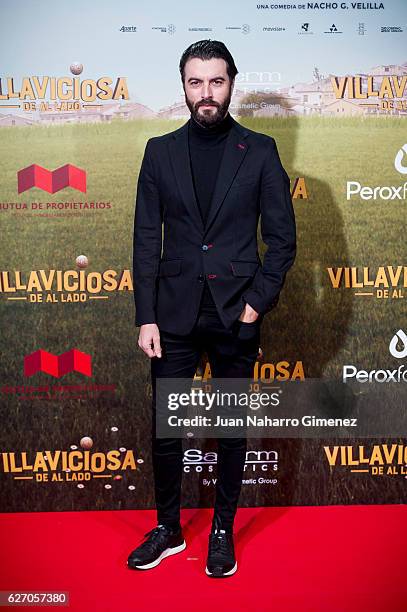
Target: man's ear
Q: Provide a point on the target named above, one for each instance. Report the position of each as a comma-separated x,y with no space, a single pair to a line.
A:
232,84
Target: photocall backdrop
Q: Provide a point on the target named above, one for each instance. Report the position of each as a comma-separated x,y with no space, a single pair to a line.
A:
83,86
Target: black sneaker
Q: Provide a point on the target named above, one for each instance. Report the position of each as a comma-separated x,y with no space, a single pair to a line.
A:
221,555
161,542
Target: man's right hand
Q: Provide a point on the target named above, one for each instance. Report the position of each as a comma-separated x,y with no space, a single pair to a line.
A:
149,340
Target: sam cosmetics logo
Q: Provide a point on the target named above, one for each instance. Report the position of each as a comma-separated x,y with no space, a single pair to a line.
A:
354,189
195,460
398,350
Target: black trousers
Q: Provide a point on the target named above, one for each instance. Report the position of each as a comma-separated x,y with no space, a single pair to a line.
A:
232,354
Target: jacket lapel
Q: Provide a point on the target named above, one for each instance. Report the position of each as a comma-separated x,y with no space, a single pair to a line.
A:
179,156
235,151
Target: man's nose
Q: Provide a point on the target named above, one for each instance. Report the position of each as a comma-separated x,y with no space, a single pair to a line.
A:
206,91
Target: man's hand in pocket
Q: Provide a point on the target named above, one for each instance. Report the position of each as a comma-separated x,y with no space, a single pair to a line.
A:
248,315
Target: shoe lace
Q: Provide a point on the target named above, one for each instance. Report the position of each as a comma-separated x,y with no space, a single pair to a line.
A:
155,538
220,546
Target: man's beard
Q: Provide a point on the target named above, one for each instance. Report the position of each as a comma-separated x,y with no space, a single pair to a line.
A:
209,118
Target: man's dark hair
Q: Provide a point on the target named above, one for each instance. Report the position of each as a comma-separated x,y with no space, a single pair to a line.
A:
206,50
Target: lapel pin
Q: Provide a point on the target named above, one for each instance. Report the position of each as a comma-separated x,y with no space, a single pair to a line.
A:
241,146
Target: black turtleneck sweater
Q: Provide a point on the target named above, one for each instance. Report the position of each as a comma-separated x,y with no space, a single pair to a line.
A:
206,147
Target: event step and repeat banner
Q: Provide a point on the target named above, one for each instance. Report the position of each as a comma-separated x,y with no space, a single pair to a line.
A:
83,86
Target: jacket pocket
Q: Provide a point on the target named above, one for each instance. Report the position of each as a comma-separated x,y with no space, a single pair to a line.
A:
171,267
244,268
244,183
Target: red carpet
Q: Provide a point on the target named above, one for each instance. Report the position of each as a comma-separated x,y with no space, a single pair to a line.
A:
334,558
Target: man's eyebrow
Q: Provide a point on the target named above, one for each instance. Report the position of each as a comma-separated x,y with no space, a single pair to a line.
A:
216,78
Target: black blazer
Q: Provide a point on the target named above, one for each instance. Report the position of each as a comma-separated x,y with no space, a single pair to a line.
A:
173,252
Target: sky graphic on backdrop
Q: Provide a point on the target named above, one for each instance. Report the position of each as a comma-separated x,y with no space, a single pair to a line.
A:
39,37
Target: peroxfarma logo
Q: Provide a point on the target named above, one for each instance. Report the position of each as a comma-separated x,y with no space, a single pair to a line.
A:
397,349
381,192
399,340
398,160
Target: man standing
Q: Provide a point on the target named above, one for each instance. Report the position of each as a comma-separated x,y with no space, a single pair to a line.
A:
200,285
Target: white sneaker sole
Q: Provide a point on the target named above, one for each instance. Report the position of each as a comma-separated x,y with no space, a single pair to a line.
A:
166,553
229,573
